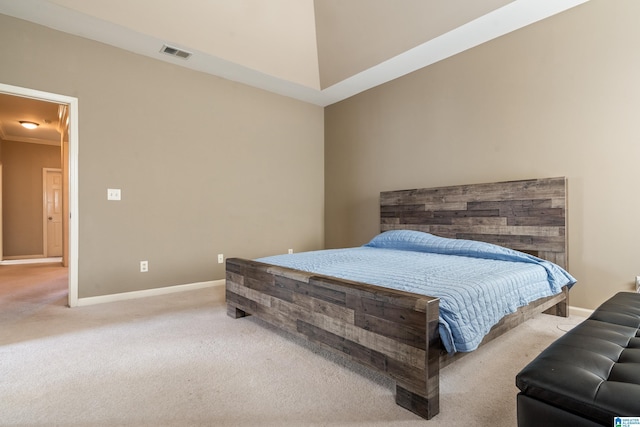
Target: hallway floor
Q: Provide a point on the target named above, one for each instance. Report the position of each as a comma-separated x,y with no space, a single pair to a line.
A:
29,288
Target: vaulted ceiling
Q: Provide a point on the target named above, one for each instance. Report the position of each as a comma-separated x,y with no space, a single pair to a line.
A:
318,51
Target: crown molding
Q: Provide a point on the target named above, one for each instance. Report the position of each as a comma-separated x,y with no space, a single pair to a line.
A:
32,140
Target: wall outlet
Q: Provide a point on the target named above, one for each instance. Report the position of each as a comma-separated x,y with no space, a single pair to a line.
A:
638,284
144,266
290,251
220,258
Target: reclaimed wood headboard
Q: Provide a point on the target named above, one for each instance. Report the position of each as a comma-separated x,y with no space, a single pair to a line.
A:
528,215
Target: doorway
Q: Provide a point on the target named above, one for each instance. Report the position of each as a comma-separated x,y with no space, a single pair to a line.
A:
69,156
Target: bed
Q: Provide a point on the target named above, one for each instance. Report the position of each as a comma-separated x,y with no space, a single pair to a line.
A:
393,331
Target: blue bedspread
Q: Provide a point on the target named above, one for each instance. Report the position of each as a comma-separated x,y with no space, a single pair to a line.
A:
478,283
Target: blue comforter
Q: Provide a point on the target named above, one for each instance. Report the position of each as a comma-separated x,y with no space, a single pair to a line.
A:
478,283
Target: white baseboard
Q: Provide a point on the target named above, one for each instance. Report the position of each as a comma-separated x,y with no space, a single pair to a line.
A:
148,292
580,312
8,261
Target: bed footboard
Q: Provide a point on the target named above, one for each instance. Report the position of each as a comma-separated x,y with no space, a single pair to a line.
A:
392,332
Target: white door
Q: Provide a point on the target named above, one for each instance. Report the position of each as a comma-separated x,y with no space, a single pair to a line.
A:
52,212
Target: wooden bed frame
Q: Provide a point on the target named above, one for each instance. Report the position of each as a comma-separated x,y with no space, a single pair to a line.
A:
396,332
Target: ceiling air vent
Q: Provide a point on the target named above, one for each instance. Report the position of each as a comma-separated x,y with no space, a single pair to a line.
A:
174,51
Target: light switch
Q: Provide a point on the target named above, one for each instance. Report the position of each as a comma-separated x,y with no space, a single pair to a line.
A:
113,194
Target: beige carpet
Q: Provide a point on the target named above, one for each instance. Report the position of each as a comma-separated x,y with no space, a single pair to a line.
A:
178,360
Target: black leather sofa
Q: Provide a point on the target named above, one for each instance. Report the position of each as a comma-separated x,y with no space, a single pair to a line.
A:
588,376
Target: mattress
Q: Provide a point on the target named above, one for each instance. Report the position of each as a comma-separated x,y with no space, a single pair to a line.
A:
478,283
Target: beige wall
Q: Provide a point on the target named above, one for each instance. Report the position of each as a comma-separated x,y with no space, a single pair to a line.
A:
206,166
22,195
557,98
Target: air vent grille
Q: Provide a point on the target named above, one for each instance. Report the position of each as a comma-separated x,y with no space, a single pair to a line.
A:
174,51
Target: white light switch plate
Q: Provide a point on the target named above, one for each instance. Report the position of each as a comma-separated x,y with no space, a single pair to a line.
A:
113,194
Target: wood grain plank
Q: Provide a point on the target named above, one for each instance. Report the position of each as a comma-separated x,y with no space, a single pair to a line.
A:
527,215
259,297
323,307
396,350
395,369
404,334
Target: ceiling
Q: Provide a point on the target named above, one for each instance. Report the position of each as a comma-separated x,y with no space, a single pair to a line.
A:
46,114
317,51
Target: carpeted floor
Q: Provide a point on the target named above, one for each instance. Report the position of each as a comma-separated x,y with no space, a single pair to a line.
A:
178,360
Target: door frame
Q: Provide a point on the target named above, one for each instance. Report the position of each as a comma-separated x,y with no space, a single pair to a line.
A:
1,196
72,179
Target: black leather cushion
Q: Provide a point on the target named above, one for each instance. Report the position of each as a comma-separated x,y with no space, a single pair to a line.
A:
534,413
594,369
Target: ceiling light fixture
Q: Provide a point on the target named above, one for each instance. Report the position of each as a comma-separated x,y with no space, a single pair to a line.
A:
29,125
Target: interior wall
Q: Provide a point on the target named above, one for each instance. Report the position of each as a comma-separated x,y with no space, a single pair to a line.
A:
22,196
1,197
557,98
206,166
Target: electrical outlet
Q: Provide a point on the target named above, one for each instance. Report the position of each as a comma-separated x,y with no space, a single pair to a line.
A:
144,266
638,284
290,251
220,258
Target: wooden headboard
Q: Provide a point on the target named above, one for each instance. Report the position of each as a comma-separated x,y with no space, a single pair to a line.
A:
529,215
